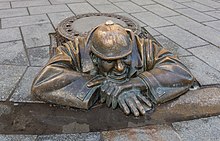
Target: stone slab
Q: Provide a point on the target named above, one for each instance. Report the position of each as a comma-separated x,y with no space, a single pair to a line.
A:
38,56
152,31
209,54
205,74
65,1
161,10
181,37
23,91
92,136
48,9
4,13
197,6
129,7
18,137
95,2
133,18
9,77
215,13
24,21
13,53
212,4
9,34
108,8
79,8
207,33
27,3
56,18
151,19
5,5
198,16
214,24
171,46
149,133
37,35
205,129
170,4
143,2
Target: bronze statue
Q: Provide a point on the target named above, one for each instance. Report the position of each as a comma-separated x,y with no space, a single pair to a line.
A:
115,66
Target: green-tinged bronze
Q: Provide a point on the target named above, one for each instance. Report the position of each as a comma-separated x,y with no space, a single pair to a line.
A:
114,65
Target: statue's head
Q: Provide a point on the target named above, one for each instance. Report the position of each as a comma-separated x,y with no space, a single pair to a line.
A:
111,49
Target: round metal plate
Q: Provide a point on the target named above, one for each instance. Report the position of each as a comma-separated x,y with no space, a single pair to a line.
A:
82,24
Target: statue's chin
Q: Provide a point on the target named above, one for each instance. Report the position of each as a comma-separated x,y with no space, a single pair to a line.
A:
118,76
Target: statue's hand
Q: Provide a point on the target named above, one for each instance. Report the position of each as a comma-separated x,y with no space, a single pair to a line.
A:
111,90
134,102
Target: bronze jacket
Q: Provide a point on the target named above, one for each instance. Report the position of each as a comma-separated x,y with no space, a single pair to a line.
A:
63,80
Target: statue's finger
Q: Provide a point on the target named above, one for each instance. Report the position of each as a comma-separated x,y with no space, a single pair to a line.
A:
114,102
124,106
145,100
139,105
132,106
96,82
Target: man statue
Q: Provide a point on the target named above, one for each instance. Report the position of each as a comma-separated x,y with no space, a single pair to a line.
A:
115,66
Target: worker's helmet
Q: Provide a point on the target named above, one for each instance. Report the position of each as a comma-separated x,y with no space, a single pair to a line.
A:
110,41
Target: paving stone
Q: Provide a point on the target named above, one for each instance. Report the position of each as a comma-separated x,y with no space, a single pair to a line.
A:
25,20
4,5
209,54
93,2
212,4
9,76
152,31
48,9
56,18
9,34
215,14
149,133
29,3
161,10
205,74
13,53
117,0
13,12
205,129
107,8
143,2
38,56
198,6
151,19
18,137
79,8
214,24
205,32
37,35
4,109
23,91
92,136
198,16
129,7
181,37
183,1
133,18
65,1
170,4
171,46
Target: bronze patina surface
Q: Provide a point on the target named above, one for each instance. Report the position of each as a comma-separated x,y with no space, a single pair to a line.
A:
113,64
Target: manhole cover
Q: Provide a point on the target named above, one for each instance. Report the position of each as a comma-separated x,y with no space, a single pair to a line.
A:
82,24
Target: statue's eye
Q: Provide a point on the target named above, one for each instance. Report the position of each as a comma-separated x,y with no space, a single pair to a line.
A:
109,61
125,58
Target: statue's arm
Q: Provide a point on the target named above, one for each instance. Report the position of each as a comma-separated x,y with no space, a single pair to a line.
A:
165,76
59,82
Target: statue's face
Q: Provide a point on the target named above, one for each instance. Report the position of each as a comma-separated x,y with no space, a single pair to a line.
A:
115,69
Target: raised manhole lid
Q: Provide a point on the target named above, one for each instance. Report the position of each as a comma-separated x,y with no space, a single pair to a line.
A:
82,24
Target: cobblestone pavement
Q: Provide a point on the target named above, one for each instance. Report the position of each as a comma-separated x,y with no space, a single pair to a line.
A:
189,28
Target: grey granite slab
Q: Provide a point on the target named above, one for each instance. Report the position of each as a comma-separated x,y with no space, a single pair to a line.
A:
37,35
56,18
9,34
13,12
9,77
13,53
129,7
27,3
18,137
82,8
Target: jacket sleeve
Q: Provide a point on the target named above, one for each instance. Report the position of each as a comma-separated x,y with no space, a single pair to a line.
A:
61,81
163,73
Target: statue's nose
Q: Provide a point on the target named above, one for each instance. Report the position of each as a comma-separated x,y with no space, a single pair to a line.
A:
119,65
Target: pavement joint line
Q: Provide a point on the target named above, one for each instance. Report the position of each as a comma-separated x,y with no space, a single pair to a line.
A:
50,2
28,11
10,4
93,6
70,9
16,85
50,22
10,40
198,46
0,23
13,65
25,48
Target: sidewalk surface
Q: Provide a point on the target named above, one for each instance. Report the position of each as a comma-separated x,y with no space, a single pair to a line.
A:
189,28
